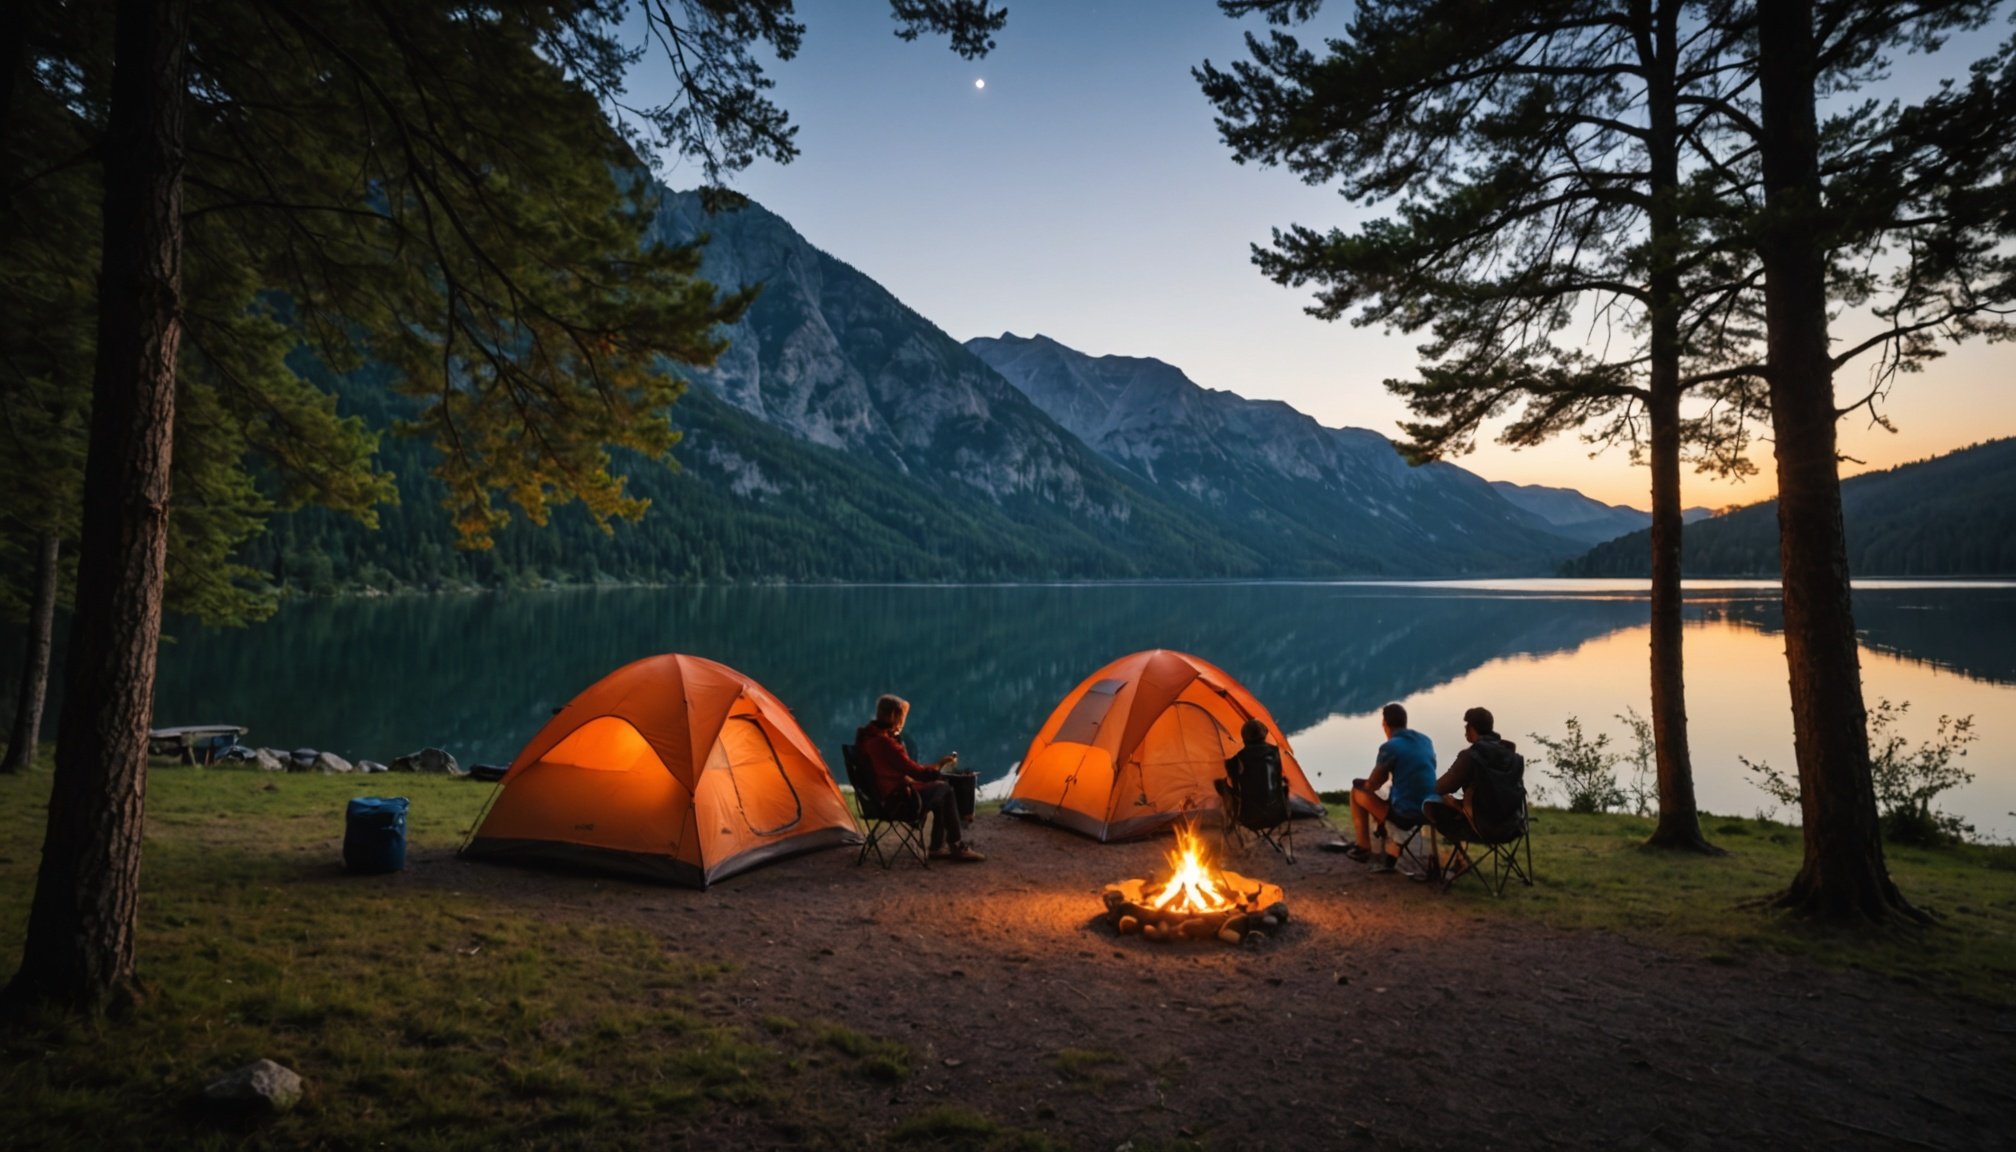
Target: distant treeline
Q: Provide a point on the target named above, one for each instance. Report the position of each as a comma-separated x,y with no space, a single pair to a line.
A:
819,515
1953,515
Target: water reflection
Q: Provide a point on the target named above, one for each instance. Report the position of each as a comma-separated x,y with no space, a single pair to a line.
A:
478,674
982,666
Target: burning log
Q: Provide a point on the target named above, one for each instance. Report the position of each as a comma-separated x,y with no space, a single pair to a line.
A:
1197,901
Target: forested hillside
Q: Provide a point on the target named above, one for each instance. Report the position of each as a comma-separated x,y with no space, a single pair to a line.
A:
842,436
1949,516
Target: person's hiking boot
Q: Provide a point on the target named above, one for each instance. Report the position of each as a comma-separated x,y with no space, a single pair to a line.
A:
940,852
1359,854
965,855
1386,864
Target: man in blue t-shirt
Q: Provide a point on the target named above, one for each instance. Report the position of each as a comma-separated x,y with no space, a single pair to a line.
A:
1406,761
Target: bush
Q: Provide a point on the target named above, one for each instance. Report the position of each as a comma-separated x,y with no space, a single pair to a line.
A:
1586,768
1906,780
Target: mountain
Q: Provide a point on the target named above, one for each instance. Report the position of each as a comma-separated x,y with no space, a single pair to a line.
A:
1340,498
844,437
1947,516
1578,517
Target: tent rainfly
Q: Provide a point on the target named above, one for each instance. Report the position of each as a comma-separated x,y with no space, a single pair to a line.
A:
1138,746
674,768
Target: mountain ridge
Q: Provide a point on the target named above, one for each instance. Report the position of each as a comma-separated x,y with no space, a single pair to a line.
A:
1583,517
1945,516
1324,490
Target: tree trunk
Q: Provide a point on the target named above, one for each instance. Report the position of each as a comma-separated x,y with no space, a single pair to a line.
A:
1679,820
35,669
14,75
79,950
1843,876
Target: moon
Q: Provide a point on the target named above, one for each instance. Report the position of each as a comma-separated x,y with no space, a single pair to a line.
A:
979,83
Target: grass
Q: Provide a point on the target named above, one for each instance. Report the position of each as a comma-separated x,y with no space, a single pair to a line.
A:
427,1020
1594,874
431,1019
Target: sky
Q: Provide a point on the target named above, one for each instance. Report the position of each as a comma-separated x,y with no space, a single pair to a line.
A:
1084,194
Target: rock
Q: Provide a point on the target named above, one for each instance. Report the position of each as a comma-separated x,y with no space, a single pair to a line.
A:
428,760
302,760
329,762
371,766
261,1086
270,759
1229,936
1128,925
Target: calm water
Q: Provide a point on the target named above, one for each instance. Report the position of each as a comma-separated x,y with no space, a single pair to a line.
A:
983,666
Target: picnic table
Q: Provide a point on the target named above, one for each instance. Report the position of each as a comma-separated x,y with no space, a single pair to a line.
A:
187,741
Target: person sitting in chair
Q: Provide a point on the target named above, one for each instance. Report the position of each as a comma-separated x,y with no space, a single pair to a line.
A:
1405,766
907,789
1252,780
1462,808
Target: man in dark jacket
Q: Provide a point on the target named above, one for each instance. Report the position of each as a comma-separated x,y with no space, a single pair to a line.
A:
1489,776
905,788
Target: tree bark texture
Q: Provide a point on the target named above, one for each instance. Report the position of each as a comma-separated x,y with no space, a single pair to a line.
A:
35,668
1843,876
14,65
79,950
1679,820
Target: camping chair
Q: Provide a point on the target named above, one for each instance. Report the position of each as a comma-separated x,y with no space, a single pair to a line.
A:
1500,853
1259,806
1402,834
909,833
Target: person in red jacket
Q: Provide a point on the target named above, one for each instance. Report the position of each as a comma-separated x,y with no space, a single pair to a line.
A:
906,788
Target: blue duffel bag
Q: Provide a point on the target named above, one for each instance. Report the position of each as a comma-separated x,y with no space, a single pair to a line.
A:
374,834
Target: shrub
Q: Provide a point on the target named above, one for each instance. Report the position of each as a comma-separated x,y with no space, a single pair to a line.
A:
1586,768
1906,779
1642,793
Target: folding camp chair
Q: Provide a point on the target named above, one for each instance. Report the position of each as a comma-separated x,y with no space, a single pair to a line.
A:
1402,834
1253,807
909,833
1501,850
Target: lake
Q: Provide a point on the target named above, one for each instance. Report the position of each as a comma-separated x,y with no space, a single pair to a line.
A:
983,666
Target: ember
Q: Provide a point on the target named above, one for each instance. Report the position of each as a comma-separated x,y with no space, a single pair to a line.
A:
1198,900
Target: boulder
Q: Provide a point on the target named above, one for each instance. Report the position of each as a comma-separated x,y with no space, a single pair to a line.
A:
368,766
302,760
329,762
428,760
261,1086
270,759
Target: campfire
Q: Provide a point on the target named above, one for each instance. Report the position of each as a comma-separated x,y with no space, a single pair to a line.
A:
1197,900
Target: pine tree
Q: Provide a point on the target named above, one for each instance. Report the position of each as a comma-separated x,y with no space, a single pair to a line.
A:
1549,180
426,185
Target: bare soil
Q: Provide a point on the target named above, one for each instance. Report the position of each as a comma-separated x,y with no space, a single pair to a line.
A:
1383,1016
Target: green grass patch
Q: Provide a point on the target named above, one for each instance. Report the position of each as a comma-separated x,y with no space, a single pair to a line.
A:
418,1017
954,1129
1594,874
1089,1066
874,1058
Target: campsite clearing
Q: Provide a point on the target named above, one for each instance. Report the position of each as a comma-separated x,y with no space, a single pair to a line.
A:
1626,1001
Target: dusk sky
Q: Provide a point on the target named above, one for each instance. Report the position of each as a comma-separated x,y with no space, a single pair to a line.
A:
1084,194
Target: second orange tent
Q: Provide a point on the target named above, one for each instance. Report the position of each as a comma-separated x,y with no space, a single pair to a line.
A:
1138,745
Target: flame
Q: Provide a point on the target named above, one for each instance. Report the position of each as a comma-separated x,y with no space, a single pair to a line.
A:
1193,884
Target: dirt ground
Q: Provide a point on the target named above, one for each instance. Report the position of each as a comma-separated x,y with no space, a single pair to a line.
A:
1384,1016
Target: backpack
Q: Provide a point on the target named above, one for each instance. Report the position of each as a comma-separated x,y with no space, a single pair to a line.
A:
1263,796
1497,788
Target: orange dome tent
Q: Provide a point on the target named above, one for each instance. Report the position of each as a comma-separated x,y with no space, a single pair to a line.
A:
1138,746
672,767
